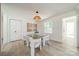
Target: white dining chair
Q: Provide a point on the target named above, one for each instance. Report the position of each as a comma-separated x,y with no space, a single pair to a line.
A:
34,43
27,40
45,40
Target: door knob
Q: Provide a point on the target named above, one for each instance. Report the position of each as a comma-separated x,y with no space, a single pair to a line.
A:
14,31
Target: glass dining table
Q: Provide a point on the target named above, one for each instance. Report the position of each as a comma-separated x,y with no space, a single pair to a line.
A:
36,36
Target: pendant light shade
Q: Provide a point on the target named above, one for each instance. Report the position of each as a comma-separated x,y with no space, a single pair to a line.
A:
37,17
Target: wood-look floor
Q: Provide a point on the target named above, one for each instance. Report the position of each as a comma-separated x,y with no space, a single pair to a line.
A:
18,48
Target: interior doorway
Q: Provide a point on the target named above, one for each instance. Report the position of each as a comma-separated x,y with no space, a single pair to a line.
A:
15,30
69,31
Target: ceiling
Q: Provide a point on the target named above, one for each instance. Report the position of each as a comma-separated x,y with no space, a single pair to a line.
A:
46,9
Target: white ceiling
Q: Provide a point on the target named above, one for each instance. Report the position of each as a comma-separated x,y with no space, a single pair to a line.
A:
46,9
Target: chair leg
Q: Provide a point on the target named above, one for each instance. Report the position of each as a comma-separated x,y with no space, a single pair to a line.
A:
24,42
43,42
40,47
27,44
32,51
46,42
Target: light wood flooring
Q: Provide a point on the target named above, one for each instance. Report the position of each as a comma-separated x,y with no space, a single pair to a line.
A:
19,48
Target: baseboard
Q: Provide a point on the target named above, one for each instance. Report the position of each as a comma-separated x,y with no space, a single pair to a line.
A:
57,41
12,42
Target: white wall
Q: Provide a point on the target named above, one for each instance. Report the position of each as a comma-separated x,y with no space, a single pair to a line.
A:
0,29
57,25
13,12
77,11
78,31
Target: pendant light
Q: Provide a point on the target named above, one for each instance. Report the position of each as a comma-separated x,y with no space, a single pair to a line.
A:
37,18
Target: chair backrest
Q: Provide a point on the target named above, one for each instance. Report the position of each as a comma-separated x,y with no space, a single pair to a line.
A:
35,42
46,37
26,38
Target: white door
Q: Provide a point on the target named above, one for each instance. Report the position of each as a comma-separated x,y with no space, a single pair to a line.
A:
15,30
69,31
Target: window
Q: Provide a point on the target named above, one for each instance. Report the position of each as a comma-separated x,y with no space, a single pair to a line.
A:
48,27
